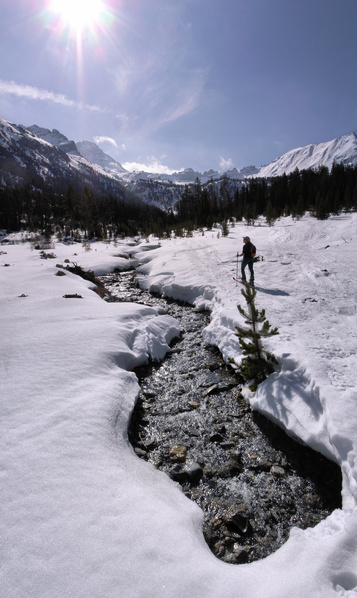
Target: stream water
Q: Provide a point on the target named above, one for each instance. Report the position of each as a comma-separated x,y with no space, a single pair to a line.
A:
252,481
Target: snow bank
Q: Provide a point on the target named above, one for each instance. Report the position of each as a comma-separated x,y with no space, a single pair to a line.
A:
81,514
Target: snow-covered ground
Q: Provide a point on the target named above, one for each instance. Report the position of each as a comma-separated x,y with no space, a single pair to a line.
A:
82,516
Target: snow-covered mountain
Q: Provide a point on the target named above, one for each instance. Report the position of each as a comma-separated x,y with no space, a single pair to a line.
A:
41,158
34,153
188,175
55,138
107,164
341,150
92,152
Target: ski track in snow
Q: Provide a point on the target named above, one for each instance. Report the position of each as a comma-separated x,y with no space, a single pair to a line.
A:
325,292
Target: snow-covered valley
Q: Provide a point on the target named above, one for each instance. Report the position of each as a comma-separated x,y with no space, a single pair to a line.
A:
82,515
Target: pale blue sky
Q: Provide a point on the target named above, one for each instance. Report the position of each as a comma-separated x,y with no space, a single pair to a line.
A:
185,83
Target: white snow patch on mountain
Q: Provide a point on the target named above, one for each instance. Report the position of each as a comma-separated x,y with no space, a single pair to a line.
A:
54,137
342,150
92,152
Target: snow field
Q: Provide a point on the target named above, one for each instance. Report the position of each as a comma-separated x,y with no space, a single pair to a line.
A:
81,514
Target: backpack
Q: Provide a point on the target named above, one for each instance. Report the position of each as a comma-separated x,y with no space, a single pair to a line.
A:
253,250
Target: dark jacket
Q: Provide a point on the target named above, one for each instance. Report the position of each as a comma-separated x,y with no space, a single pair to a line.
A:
247,251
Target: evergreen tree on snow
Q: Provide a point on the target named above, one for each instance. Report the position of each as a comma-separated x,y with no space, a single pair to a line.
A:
257,363
225,228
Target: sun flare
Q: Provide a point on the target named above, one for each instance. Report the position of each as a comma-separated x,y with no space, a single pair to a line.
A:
78,14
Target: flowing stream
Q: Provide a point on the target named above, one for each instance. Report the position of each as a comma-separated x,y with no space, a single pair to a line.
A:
252,481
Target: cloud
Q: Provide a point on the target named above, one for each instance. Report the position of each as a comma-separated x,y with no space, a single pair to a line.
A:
156,92
184,100
33,93
151,164
104,139
225,164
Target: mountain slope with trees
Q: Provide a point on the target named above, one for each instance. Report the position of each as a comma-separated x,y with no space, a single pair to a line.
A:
47,185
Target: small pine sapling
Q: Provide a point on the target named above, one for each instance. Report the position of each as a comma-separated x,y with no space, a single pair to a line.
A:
257,363
225,229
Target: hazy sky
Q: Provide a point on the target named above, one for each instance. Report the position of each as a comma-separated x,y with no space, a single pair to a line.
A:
182,83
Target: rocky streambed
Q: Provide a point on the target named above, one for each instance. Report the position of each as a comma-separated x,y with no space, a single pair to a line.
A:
252,481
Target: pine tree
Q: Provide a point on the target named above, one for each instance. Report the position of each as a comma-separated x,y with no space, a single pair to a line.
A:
225,228
250,213
257,363
269,214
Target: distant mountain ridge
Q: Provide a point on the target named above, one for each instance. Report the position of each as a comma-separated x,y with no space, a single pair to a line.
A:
29,155
342,150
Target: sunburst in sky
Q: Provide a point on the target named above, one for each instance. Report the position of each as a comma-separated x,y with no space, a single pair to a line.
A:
190,83
82,22
78,16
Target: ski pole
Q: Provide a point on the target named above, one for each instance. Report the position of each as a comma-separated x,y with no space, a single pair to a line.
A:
237,268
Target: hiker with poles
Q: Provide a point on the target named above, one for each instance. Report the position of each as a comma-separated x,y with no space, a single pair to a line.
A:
248,254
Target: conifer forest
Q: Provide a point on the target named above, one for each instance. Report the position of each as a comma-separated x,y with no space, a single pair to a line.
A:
77,212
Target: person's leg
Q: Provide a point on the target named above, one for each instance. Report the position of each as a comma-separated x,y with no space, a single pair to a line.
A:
251,269
244,263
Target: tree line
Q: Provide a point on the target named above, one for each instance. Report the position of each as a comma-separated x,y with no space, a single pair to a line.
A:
78,213
320,191
82,213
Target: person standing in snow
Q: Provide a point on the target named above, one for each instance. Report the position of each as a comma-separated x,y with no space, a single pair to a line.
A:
248,254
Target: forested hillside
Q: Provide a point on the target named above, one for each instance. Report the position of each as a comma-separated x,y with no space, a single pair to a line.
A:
77,213
319,191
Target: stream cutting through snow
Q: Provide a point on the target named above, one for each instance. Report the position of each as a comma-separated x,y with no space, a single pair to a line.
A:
251,480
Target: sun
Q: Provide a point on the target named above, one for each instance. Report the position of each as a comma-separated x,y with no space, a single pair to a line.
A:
78,14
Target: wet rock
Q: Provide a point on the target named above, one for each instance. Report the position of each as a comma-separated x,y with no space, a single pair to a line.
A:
216,437
313,500
72,296
149,395
193,404
193,432
211,390
240,555
194,472
150,444
178,453
140,452
209,471
236,456
227,386
261,465
178,473
228,444
229,469
237,520
277,471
